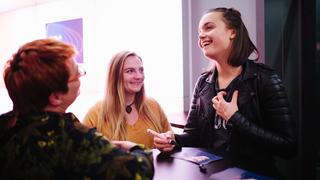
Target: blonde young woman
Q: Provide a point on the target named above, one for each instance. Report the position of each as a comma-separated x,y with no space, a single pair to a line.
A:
126,113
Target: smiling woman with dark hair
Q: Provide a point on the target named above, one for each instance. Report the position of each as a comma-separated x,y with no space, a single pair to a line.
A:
240,108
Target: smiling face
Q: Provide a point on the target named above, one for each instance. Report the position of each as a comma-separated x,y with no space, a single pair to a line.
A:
133,75
215,39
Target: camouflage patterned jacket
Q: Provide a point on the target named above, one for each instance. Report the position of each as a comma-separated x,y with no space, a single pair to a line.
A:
50,145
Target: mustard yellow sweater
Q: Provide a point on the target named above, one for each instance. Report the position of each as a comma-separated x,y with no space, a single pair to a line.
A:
137,132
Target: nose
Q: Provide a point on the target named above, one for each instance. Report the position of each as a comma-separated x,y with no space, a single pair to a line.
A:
201,35
139,75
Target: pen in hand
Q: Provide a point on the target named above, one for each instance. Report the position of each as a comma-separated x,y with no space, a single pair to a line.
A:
154,133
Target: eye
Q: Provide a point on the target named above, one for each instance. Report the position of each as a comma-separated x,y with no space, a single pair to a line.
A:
141,70
129,71
209,27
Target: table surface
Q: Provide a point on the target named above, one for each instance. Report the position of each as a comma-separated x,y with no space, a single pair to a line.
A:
167,167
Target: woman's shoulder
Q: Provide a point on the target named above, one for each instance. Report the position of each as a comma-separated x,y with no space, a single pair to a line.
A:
267,74
5,118
205,74
93,114
7,115
153,103
150,101
96,107
261,67
203,79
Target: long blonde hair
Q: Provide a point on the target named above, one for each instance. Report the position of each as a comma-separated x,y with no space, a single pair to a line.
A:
113,106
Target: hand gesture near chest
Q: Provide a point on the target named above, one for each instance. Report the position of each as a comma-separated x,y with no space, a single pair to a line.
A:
223,108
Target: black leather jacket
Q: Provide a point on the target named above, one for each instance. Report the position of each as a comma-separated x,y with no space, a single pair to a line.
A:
260,129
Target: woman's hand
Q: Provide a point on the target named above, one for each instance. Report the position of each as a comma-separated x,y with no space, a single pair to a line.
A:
125,145
163,141
223,108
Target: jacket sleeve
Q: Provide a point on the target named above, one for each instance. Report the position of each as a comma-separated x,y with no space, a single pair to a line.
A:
102,160
277,135
191,131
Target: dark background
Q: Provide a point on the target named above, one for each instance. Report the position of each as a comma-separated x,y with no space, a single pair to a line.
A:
292,40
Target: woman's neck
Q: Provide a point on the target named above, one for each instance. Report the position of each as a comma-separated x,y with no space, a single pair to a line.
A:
226,73
130,98
225,70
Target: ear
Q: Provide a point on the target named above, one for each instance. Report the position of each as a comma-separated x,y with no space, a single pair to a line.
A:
232,34
55,99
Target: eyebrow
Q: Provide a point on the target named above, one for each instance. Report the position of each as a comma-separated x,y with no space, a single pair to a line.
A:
133,67
206,24
209,23
130,68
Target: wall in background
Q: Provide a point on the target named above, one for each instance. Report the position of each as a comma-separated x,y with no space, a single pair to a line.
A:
108,27
167,42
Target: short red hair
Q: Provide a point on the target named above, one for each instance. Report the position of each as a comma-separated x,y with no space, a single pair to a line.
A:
35,71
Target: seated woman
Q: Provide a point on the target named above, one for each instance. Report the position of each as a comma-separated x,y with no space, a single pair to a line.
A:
39,140
126,113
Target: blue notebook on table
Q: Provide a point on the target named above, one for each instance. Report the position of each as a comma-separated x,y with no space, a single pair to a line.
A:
197,156
237,173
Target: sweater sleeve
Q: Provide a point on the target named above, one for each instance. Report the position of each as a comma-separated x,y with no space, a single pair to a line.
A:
165,124
160,115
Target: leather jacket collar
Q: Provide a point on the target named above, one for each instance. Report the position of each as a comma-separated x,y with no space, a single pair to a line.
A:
249,71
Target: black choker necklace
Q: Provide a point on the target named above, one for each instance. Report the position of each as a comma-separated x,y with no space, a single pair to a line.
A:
129,108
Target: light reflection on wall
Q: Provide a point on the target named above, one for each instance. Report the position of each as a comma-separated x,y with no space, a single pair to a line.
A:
150,28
